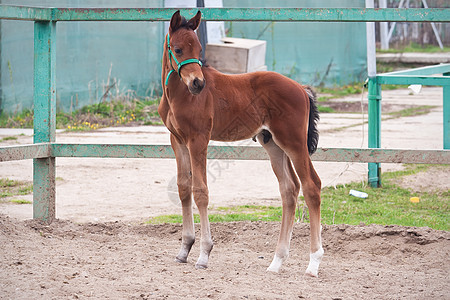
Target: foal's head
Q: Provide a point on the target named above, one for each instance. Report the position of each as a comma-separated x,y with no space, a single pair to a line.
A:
185,46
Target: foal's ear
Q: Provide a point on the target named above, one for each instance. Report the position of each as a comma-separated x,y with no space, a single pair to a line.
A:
175,22
195,21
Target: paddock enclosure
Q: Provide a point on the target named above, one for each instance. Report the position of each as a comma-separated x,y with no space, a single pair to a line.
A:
61,259
45,150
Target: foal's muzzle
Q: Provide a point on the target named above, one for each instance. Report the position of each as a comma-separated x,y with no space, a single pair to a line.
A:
196,86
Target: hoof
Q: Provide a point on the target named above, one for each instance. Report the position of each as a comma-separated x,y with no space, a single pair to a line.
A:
314,262
273,270
201,267
181,260
311,273
275,266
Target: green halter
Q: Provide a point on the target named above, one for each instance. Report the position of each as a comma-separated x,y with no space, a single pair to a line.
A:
179,64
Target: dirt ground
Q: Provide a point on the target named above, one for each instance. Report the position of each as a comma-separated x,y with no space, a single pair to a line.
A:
122,261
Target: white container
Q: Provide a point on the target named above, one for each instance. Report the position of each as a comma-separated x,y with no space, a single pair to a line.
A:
358,194
235,56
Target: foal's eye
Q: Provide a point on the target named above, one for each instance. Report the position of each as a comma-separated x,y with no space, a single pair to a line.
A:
178,51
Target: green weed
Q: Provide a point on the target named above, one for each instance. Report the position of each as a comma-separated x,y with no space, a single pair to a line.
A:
412,111
10,188
389,204
9,138
229,214
325,109
20,201
326,94
415,47
94,116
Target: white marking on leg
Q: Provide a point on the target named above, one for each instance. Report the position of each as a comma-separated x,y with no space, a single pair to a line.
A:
275,266
205,251
314,262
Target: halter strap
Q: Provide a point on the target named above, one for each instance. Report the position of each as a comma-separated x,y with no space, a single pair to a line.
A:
179,64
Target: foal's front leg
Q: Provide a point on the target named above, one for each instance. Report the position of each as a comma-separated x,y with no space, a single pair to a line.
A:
198,151
184,181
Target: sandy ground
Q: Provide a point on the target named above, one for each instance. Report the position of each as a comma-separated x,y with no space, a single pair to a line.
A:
99,248
121,261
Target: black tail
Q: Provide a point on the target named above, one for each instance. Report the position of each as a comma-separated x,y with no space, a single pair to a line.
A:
313,132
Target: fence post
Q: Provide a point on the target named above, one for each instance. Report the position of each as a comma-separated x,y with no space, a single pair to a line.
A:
446,108
374,119
44,118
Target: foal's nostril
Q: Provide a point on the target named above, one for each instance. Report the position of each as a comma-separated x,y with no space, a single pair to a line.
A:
196,83
197,86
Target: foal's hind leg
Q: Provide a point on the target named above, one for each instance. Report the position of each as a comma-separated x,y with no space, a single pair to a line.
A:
289,189
297,150
184,181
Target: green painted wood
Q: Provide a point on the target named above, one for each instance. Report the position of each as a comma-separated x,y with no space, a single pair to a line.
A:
44,150
230,14
376,156
151,151
44,82
429,70
22,152
446,113
44,189
418,76
44,119
374,130
257,14
251,153
112,151
413,79
10,12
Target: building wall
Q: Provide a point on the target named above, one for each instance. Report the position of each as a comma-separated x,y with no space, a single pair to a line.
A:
87,55
329,54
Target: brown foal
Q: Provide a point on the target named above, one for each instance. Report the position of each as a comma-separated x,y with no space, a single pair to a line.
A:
201,104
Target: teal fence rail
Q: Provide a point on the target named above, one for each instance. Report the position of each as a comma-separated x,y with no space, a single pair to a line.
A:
44,150
422,76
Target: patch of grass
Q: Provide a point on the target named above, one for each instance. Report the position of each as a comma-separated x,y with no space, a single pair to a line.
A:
23,119
228,214
394,86
113,113
325,109
9,138
407,112
412,111
415,47
104,114
386,67
338,92
10,188
387,205
20,201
